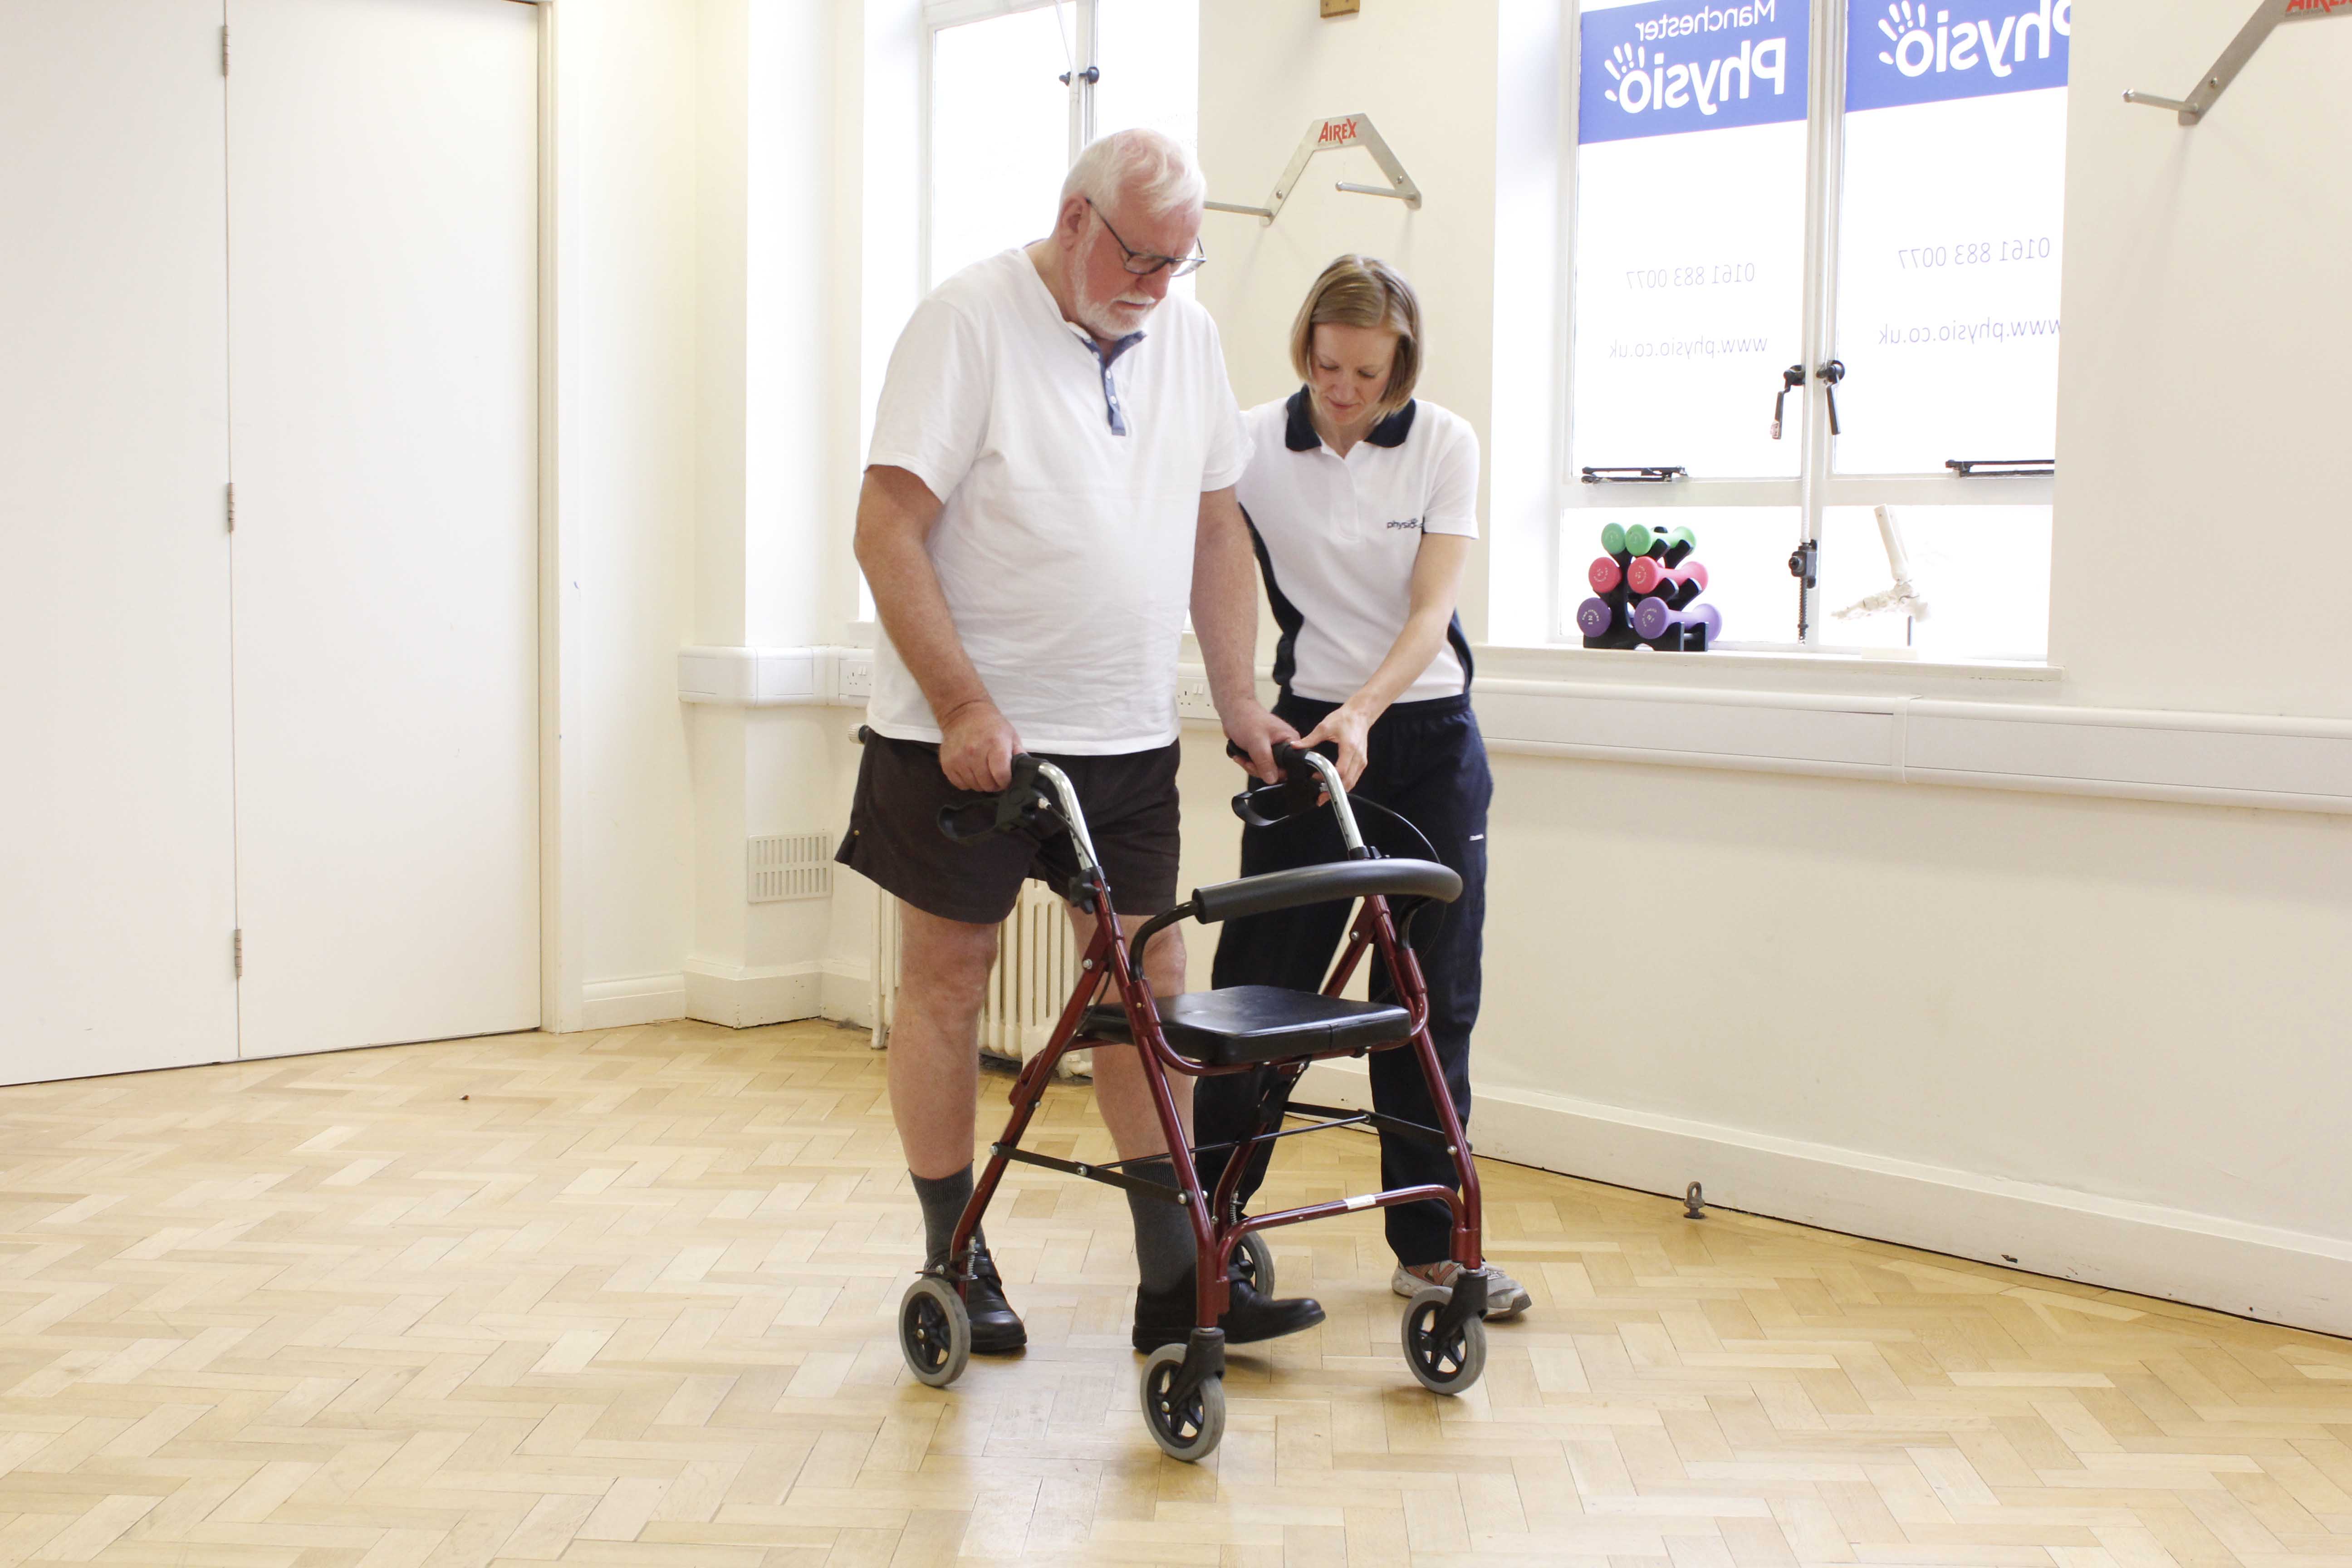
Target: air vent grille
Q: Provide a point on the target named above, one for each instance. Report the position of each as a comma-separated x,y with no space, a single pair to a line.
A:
791,866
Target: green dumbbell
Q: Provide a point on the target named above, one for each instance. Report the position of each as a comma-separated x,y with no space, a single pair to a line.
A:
1669,548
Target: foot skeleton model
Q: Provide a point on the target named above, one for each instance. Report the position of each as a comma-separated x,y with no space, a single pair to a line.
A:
1904,596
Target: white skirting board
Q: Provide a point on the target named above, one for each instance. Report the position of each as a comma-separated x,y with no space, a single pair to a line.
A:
640,999
738,998
735,998
2277,1276
846,995
746,998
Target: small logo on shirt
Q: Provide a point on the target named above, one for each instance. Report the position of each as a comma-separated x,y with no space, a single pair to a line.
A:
1412,523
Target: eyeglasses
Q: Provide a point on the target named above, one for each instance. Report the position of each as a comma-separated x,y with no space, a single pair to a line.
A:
1144,263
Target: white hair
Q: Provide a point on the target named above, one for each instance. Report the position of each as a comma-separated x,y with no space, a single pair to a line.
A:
1141,165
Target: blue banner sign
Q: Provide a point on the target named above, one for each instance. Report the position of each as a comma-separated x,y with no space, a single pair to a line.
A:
1660,69
1926,51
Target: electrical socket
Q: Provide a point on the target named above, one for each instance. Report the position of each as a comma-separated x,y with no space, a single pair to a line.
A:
1192,697
854,675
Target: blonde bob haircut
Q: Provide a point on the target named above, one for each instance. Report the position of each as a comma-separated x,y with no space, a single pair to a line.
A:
1362,291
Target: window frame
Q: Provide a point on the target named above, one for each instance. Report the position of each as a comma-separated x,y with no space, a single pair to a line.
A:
1818,486
1085,59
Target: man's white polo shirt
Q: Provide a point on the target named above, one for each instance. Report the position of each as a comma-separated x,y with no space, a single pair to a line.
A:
1071,480
1338,537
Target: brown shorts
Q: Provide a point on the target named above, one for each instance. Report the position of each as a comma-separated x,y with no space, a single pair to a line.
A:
894,836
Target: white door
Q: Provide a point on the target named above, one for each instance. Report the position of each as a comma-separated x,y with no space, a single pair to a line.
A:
383,331
117,890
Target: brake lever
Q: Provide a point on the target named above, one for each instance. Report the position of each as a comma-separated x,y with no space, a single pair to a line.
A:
1019,803
1245,807
1301,789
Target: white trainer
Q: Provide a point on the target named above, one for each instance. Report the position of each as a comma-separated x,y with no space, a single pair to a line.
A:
1506,1297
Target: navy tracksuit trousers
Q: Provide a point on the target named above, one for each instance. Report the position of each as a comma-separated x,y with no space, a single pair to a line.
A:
1427,762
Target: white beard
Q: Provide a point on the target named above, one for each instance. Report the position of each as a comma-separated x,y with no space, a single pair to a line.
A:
1111,317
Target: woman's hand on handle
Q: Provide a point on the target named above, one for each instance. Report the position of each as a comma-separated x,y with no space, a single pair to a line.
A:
977,745
1347,726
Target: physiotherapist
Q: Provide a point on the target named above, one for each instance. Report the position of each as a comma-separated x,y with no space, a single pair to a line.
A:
1363,503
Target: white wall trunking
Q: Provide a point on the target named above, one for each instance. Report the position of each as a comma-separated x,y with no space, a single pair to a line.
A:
2280,764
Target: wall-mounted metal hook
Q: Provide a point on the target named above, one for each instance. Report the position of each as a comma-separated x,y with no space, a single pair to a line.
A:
2266,17
1323,136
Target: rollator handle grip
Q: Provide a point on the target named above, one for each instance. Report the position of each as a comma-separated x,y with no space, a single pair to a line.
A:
1300,790
1021,803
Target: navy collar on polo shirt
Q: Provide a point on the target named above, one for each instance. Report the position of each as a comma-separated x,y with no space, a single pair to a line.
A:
1298,431
1105,358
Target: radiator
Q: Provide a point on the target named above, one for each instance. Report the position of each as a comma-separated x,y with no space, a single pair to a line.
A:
1037,968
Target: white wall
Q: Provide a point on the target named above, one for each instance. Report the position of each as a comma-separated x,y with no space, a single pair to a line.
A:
1267,70
2207,367
2087,1035
626,86
778,191
711,209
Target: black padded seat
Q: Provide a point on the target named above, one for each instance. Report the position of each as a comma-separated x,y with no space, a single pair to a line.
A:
1246,1024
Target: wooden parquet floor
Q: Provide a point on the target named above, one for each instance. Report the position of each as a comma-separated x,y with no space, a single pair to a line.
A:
627,1299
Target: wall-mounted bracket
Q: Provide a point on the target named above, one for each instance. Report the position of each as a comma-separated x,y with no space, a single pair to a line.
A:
1323,136
2268,15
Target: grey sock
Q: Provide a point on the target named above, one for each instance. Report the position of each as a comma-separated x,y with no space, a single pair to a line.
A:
944,1199
1164,1252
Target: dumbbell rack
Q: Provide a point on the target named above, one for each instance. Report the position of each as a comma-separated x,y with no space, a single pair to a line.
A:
1671,584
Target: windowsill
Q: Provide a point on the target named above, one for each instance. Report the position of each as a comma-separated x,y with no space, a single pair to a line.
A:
1501,666
1557,659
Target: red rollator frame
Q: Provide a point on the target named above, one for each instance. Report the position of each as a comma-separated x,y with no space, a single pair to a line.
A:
1238,1029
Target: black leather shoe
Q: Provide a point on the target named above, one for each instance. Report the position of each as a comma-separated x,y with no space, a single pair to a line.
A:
1167,1319
995,1327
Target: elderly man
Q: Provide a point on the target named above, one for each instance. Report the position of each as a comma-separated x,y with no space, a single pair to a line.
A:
1046,480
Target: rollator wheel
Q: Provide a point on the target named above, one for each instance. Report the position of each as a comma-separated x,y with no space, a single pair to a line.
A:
934,1331
1253,1263
1191,1430
1445,1363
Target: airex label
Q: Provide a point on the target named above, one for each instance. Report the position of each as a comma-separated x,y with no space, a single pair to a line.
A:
1659,68
1925,51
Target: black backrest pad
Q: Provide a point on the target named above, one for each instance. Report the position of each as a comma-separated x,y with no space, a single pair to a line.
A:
1319,884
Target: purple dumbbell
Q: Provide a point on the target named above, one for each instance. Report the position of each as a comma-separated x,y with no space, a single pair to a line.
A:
1604,625
1653,618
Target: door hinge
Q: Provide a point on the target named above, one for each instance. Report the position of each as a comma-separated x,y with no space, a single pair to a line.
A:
237,950
224,48
232,508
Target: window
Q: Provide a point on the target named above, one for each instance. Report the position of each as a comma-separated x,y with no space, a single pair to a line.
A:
1816,264
1000,135
1015,88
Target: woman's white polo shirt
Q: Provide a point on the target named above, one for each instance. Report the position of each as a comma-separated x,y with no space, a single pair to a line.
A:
1337,538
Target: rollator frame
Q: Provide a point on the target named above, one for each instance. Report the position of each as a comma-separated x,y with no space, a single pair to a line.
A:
1114,963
